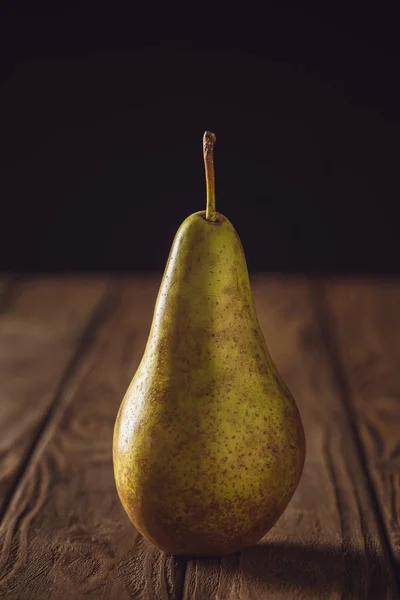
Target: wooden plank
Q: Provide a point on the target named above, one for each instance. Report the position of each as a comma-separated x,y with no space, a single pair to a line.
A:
65,534
328,543
366,317
41,323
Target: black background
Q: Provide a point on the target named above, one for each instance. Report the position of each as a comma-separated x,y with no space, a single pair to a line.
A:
102,116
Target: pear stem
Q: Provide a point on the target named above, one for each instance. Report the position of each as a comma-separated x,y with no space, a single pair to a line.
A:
209,140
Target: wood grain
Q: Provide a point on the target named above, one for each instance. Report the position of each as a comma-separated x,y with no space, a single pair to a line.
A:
328,543
41,323
366,320
65,534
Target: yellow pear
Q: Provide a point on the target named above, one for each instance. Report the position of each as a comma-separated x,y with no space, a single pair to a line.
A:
208,445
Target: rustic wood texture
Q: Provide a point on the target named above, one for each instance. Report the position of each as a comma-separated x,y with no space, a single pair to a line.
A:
41,325
365,321
64,533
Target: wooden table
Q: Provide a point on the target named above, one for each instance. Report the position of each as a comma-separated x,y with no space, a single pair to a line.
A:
69,347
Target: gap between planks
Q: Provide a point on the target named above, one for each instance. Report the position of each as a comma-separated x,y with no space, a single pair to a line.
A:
326,323
102,311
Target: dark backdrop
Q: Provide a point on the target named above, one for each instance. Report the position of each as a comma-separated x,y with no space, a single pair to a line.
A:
102,116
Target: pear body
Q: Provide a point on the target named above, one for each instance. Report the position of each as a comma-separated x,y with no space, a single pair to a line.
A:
208,443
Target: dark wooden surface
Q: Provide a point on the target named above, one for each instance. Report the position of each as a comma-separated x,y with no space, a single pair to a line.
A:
68,349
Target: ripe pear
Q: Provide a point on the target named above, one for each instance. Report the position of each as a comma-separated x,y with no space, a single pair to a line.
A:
208,444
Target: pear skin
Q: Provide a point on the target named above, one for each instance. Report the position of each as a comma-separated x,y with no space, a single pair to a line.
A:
209,445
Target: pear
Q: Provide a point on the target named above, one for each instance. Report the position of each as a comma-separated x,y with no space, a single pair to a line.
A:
208,443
